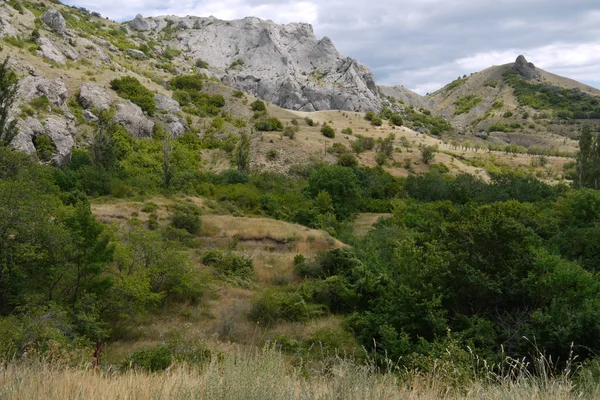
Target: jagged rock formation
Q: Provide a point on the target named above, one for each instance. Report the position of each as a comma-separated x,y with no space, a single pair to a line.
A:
283,64
526,69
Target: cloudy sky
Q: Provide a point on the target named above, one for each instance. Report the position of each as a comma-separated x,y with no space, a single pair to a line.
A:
420,44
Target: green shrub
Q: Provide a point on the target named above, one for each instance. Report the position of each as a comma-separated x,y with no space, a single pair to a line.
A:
282,304
238,94
466,103
149,207
347,160
268,124
154,359
290,131
309,121
229,264
187,82
507,114
44,147
189,222
347,131
258,105
377,121
396,120
130,88
328,131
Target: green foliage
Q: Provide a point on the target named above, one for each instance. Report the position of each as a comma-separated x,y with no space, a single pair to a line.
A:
8,91
258,105
340,183
282,304
229,264
454,84
428,153
268,124
309,121
328,131
466,104
347,160
154,359
565,103
187,82
420,120
237,64
44,147
130,88
200,63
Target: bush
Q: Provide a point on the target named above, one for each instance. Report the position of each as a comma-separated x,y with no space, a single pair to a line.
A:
309,121
380,158
282,304
44,147
290,131
187,82
200,63
328,131
347,160
268,124
155,359
428,153
229,264
377,121
130,88
187,221
258,105
347,131
272,155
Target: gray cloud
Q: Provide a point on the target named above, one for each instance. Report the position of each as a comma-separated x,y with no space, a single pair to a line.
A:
421,44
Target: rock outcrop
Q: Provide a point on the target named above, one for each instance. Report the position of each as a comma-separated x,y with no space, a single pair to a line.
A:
31,87
54,20
408,97
283,64
131,117
57,130
92,96
139,24
526,69
49,51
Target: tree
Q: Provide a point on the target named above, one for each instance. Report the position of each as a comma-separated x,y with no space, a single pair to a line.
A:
8,91
586,144
167,154
428,153
341,184
242,154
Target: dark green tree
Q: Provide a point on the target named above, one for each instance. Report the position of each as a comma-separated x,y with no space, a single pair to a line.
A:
8,91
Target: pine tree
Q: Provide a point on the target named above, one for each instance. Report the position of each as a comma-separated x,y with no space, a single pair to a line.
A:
8,91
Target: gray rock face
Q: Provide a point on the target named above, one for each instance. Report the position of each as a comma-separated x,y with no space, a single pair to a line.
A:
139,23
526,69
133,120
94,96
283,64
89,116
137,54
31,87
164,103
409,97
50,52
56,129
54,20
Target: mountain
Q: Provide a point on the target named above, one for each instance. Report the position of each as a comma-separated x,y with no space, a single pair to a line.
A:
283,64
516,97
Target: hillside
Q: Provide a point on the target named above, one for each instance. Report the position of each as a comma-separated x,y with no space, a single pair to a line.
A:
504,103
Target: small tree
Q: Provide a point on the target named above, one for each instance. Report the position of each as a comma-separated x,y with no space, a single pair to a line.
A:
328,131
258,105
242,154
428,153
8,91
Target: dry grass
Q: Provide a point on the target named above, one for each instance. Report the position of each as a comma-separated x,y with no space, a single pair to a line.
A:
265,374
365,221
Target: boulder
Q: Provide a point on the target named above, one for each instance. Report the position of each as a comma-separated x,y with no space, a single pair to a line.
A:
31,87
56,129
139,23
54,20
61,135
137,54
526,69
49,51
164,103
92,96
89,116
131,117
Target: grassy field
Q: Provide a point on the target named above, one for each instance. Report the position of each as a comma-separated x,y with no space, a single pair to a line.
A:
266,374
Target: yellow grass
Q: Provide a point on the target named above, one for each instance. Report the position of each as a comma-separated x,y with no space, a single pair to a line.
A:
263,374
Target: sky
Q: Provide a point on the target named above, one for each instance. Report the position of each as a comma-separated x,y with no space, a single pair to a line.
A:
420,44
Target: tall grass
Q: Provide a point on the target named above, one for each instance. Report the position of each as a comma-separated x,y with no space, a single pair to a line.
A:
265,374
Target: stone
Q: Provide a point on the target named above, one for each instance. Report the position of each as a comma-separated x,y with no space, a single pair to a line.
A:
54,20
137,54
31,87
92,96
164,103
61,135
408,97
57,130
139,23
131,117
49,51
526,69
89,116
283,64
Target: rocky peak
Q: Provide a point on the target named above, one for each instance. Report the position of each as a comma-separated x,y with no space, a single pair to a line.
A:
283,64
525,68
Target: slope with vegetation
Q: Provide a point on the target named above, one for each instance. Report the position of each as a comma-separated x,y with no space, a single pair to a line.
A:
171,237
